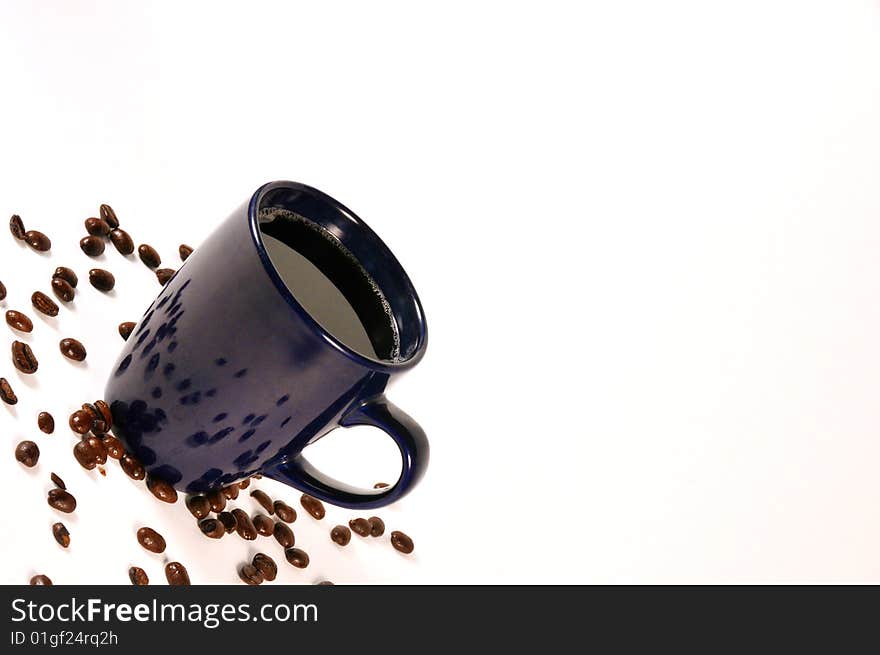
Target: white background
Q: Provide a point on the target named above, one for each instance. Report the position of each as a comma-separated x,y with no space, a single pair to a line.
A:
646,237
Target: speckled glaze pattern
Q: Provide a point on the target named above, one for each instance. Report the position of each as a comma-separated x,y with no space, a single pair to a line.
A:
226,375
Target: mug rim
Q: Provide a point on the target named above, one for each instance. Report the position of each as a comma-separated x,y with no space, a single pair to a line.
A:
386,366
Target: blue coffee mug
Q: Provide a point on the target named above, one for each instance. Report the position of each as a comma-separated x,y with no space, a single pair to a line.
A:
227,375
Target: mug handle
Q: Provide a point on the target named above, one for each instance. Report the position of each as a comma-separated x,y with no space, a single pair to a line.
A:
381,413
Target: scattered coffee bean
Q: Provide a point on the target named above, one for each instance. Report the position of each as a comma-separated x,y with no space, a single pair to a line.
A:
62,536
104,412
212,528
85,455
151,540
80,421
109,216
62,500
114,446
44,304
23,358
216,499
27,453
132,467
313,506
380,485
228,521
231,492
37,240
125,329
97,227
161,489
377,526
7,395
361,527
56,479
298,558
185,251
91,410
198,506
164,274
402,542
66,274
45,422
340,535
284,511
41,581
283,535
62,289
92,246
18,321
266,566
16,226
122,241
263,524
102,280
98,448
176,574
2,291
263,498
149,256
243,525
324,583
250,575
72,349
138,576
244,484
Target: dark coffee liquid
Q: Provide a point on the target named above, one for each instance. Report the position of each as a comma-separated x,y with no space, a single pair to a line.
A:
330,284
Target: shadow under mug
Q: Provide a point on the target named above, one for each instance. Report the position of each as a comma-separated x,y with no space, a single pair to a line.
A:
227,375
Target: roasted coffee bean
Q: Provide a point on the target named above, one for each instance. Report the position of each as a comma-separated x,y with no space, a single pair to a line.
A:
91,410
62,500
56,479
85,455
149,256
380,485
44,304
62,289
72,349
243,525
299,558
185,251
125,329
2,291
216,499
16,226
114,446
263,524
7,395
377,526
104,412
324,583
122,241
18,321
340,535
244,484
249,574
80,421
313,506
102,280
228,521
97,227
37,240
41,581
266,566
361,527
138,576
132,467
283,535
198,506
231,492
176,574
62,536
66,274
151,540
161,489
92,246
264,500
46,422
109,216
27,453
212,528
164,274
98,448
402,542
23,358
284,511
